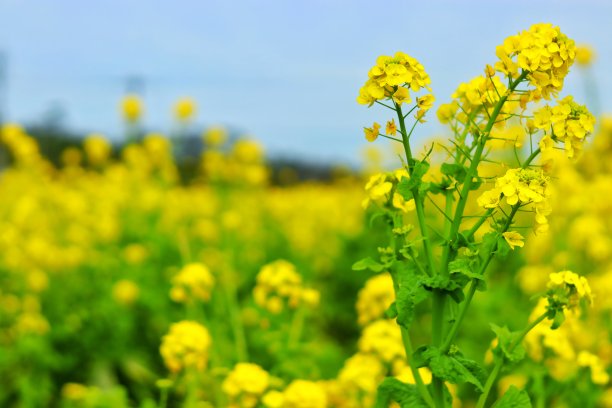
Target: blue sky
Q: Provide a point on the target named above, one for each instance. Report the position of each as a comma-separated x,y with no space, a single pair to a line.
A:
286,72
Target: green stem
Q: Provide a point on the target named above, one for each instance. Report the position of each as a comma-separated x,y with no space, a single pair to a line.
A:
448,252
473,286
236,324
297,325
406,334
417,199
500,362
415,371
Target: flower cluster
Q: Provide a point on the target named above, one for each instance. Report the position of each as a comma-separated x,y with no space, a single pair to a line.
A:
567,122
186,346
298,394
478,96
391,78
193,282
375,298
245,385
568,289
383,338
360,376
380,190
279,284
521,186
544,52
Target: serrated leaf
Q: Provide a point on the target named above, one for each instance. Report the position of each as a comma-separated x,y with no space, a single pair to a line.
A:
505,338
391,312
447,368
476,369
368,263
409,294
406,186
513,398
393,390
456,171
452,287
464,267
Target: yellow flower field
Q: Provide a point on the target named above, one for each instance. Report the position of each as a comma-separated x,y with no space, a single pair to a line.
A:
477,272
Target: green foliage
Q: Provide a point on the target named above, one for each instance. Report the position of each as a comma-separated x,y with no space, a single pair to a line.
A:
452,368
511,350
513,398
393,390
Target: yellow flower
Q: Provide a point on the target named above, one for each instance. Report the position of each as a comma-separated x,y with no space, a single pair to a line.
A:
279,285
514,239
401,96
273,399
391,128
125,292
131,108
598,369
215,136
544,52
391,77
245,384
567,122
490,198
584,55
360,376
371,134
186,346
577,286
185,109
97,148
193,282
375,298
383,339
304,394
524,186
402,204
425,102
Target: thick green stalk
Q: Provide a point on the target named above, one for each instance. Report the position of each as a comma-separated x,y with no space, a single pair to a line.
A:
500,362
438,301
415,371
406,339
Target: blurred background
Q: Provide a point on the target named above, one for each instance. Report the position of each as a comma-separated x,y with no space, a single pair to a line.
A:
287,73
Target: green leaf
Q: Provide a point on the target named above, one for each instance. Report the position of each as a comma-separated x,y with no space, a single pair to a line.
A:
513,398
452,287
473,367
420,169
391,312
393,390
409,294
368,263
505,338
456,171
448,368
465,268
407,186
